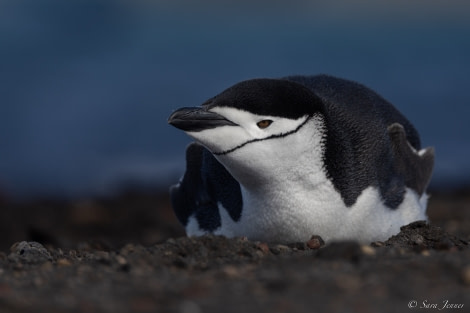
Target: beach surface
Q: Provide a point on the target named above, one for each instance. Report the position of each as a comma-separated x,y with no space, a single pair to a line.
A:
128,254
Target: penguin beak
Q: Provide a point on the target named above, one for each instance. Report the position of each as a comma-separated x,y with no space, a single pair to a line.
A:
195,119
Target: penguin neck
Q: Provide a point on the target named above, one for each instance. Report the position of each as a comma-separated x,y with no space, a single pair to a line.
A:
278,165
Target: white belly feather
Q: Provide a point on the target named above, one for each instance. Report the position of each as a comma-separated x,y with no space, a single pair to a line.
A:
298,218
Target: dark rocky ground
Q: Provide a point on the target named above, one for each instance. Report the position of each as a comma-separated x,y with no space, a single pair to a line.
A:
128,254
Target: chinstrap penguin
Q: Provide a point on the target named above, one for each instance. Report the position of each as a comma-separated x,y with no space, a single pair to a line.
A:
280,160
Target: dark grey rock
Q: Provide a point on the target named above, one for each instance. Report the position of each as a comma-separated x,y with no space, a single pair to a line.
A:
29,252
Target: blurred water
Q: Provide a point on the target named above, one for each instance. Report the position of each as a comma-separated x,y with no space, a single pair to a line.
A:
86,86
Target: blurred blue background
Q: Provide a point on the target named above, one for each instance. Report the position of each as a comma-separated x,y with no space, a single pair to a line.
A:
86,86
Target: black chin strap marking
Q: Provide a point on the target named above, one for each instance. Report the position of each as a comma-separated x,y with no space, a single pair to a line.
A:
260,139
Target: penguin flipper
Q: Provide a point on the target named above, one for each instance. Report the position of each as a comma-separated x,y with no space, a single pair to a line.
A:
415,166
205,185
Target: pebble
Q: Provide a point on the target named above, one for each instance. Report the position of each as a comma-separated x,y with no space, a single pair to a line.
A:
171,241
121,260
259,254
417,239
296,246
29,252
367,250
425,253
263,246
123,264
102,255
278,249
377,244
315,242
130,248
63,262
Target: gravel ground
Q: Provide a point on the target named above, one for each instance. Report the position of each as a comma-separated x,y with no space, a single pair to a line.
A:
123,255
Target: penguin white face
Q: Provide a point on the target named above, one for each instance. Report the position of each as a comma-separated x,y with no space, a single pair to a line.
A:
238,128
251,125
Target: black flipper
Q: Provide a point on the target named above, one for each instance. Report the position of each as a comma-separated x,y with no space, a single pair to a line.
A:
414,167
205,184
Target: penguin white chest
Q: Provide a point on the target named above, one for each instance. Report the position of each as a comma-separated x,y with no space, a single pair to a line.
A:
286,193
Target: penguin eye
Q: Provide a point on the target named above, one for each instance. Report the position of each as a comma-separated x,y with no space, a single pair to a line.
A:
264,123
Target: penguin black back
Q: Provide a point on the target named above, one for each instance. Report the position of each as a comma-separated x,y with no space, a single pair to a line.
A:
358,150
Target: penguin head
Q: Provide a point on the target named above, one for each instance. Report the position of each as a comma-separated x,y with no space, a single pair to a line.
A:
250,121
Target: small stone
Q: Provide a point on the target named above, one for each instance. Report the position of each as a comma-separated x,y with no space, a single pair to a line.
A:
73,254
123,264
263,246
316,242
296,246
63,262
278,249
130,248
102,255
425,253
171,241
121,260
377,244
29,252
417,239
259,254
367,250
